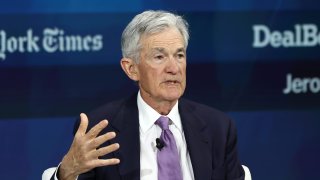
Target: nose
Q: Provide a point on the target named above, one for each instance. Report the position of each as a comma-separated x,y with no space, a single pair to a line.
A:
172,66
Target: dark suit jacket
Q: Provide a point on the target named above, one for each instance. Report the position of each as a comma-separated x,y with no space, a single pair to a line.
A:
210,136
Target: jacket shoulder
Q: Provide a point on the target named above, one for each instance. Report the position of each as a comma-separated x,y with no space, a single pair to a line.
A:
202,109
107,111
210,116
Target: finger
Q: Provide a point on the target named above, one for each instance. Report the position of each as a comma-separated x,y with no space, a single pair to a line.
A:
101,139
106,150
97,129
98,163
106,162
83,124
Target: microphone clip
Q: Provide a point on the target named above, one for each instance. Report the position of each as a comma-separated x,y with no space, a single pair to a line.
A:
159,144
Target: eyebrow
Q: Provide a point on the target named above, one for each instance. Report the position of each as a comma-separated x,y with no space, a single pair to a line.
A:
181,50
158,49
162,50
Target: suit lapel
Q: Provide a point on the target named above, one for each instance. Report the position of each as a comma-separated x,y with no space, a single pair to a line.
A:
197,141
126,124
127,127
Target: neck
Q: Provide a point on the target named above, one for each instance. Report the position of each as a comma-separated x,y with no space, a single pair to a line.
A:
161,106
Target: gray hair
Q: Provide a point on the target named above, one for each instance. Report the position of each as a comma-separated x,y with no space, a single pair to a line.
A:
146,23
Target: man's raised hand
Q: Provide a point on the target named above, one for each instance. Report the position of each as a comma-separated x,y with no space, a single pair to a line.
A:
84,153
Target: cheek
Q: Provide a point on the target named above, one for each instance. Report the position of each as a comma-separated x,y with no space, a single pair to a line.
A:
154,74
149,77
183,71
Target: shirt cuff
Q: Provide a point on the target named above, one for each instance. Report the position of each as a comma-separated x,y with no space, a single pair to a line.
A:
55,173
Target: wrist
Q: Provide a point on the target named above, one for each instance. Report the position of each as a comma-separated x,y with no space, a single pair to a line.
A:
65,171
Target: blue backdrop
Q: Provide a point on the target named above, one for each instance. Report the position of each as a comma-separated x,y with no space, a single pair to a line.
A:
258,61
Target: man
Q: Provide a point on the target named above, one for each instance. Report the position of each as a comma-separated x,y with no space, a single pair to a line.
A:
155,134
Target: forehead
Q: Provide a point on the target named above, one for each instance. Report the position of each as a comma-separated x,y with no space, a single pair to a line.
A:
167,38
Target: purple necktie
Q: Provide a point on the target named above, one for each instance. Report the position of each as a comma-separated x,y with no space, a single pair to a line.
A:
168,157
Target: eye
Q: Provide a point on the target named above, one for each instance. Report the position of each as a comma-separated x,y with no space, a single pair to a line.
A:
159,57
181,56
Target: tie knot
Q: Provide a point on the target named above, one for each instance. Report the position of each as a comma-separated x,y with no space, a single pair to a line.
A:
163,122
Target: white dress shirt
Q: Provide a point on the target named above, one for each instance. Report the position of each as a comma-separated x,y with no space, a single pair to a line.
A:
148,134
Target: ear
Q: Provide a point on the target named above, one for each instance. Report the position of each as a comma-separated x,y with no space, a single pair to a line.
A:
130,68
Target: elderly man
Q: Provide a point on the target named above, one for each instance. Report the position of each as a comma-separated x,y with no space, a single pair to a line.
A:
155,134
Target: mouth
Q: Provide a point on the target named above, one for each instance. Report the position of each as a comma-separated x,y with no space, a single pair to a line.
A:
172,82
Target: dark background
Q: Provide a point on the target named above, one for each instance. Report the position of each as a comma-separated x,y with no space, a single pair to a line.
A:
42,93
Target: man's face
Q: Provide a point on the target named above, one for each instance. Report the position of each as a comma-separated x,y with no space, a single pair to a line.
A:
162,66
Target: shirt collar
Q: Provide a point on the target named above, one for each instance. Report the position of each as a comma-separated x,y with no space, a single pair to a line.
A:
148,116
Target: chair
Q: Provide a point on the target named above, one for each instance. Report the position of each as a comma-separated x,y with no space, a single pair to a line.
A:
46,175
49,172
247,174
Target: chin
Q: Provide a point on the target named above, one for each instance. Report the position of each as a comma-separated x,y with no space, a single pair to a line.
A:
173,96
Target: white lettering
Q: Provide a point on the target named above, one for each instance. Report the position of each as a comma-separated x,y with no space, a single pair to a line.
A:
97,43
288,39
12,44
297,28
301,85
305,35
86,43
32,42
73,43
49,41
20,44
260,31
56,40
3,45
315,85
275,39
310,35
53,40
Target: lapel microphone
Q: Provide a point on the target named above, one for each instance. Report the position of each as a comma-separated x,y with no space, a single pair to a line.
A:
159,144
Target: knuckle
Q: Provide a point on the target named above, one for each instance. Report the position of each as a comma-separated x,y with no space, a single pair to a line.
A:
85,158
88,164
100,125
81,158
107,150
92,133
102,152
100,163
81,149
76,138
99,152
105,137
95,143
78,141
